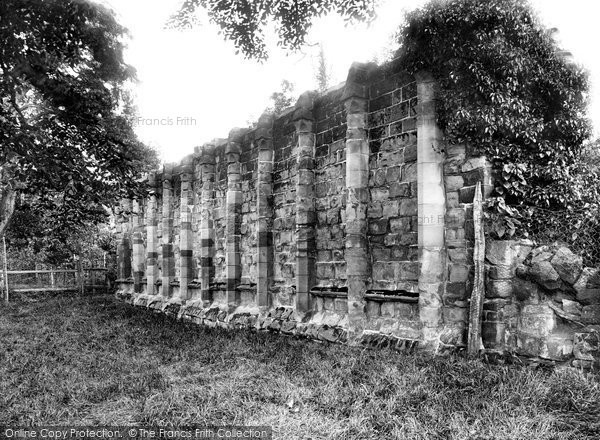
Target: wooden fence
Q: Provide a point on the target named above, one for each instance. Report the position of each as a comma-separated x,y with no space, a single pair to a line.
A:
82,280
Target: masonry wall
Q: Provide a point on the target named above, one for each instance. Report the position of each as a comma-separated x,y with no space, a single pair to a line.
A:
344,219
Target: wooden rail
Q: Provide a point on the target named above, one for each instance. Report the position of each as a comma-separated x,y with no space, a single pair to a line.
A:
76,284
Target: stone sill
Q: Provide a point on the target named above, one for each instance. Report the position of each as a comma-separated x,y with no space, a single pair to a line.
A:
392,296
124,281
323,294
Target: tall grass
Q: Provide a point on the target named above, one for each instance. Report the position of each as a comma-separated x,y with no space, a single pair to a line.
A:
95,361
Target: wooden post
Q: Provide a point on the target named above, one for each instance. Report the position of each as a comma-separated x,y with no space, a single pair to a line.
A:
81,280
478,294
5,269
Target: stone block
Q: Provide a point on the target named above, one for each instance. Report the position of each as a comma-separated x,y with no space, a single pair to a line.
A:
525,290
400,189
571,307
383,270
587,293
458,273
591,314
406,312
458,290
455,218
499,252
387,309
430,316
493,334
452,200
408,271
528,345
558,347
373,309
544,274
408,207
378,227
537,320
501,272
498,288
454,183
567,265
400,225
455,314
586,343
325,271
391,208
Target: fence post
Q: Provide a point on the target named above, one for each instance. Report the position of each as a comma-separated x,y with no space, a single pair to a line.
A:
81,280
5,270
476,307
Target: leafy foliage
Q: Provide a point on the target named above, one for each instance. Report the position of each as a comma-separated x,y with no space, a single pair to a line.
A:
506,91
323,74
66,135
244,22
282,99
38,236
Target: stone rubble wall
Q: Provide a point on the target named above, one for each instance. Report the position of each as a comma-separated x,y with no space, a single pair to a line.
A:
344,219
541,303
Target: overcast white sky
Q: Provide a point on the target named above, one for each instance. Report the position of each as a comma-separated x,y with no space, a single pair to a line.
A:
193,81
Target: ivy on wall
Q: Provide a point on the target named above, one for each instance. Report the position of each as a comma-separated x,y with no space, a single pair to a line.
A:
508,92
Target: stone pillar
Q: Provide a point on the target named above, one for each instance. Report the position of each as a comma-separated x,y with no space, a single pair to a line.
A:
151,238
186,263
264,207
233,216
431,205
207,232
357,183
120,234
168,260
305,203
138,247
125,272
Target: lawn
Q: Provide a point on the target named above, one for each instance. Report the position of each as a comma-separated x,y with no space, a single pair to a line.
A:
98,362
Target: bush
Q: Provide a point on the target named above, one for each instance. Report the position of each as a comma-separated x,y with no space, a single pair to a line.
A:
507,91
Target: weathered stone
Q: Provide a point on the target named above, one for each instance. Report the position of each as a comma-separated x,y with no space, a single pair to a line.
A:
571,307
567,265
458,273
499,253
591,314
586,343
454,183
544,274
558,347
493,334
537,320
501,272
387,309
585,291
525,290
498,289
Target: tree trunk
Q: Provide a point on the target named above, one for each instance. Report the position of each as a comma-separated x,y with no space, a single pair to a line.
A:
8,196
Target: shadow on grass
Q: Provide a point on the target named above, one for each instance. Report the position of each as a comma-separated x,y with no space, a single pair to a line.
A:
95,361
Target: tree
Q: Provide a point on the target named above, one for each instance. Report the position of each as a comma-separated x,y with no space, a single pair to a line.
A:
65,121
244,21
282,99
322,75
508,91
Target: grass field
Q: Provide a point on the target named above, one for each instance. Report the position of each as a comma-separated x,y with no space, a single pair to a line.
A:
95,361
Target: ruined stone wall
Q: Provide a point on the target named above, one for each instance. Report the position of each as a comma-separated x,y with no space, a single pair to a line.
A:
347,219
542,303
